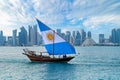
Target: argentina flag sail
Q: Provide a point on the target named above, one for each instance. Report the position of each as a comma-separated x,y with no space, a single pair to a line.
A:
54,44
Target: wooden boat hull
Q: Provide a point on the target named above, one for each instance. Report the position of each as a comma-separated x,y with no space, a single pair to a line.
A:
35,58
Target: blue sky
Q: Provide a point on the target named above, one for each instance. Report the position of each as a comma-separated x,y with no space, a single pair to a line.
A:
97,16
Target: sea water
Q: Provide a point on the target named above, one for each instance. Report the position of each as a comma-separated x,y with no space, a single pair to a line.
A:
92,63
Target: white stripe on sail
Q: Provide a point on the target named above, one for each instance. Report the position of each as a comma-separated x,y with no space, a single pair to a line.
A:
49,35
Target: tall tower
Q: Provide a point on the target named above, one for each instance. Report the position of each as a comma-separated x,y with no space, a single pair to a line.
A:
1,33
83,35
59,31
68,34
35,34
89,34
114,35
23,37
101,38
78,39
30,34
73,36
14,37
10,41
1,38
118,35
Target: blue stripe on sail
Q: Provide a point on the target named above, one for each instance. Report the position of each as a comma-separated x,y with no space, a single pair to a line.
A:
42,26
60,48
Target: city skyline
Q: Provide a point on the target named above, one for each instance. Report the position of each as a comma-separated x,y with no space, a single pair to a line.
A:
31,36
27,28
98,17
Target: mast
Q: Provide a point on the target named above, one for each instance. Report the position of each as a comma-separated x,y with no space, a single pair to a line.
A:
53,41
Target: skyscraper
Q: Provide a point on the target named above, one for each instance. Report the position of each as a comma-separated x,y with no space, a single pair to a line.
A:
71,40
23,37
114,36
101,38
35,33
89,34
83,35
1,33
73,36
78,39
10,41
118,36
63,35
40,39
68,34
30,34
59,31
14,37
110,38
1,38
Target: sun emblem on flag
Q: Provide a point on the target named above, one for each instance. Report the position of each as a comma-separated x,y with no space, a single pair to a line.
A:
50,36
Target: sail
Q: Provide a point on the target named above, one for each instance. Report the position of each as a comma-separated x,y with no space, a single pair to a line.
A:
54,44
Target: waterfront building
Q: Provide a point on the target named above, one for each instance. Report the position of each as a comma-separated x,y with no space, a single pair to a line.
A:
110,39
1,33
63,35
10,41
89,34
68,34
39,39
1,38
78,39
89,42
14,37
59,32
114,36
118,35
73,36
23,37
101,38
35,34
30,35
83,35
71,40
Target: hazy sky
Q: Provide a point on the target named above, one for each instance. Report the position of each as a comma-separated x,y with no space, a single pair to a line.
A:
97,16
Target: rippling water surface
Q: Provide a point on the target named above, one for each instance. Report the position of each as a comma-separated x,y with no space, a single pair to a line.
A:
93,63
